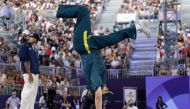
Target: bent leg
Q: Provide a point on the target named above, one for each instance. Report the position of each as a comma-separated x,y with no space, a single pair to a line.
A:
99,42
82,28
68,11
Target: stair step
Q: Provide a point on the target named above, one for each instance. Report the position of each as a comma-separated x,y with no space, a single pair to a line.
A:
142,63
143,58
108,17
145,49
141,68
140,72
144,41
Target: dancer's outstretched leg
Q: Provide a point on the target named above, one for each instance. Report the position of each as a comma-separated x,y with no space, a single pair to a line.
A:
99,42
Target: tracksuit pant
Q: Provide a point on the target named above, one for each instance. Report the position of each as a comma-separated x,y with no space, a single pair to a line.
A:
88,46
29,92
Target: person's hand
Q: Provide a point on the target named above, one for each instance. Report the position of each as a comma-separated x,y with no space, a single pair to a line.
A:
31,79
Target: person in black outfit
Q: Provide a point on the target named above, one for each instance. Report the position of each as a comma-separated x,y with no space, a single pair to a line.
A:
160,104
88,101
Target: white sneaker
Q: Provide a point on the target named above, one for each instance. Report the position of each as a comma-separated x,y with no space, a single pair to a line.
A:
143,27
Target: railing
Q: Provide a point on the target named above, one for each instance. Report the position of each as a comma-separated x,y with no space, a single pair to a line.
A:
48,70
7,89
112,73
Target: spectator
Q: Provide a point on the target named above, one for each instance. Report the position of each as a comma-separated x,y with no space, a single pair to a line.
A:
160,103
1,41
174,70
188,70
13,102
164,70
65,81
75,100
88,101
66,101
130,105
2,77
19,79
42,101
10,79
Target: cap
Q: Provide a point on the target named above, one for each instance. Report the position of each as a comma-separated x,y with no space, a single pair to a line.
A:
36,36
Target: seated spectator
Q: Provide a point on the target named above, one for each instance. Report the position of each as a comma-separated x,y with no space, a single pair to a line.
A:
19,80
174,70
164,70
65,81
75,100
1,41
10,79
157,68
2,77
188,70
13,102
66,101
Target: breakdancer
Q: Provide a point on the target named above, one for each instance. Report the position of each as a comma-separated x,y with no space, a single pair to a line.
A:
89,46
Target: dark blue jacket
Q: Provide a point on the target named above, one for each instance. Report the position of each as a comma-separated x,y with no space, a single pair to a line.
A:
30,54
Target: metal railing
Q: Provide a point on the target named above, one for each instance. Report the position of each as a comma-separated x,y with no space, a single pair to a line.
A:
7,89
182,70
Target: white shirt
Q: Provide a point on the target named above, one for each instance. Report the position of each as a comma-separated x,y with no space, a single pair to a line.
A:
42,102
13,102
188,71
174,72
134,107
2,78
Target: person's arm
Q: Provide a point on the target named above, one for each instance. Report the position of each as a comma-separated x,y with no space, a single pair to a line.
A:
18,103
67,104
27,67
41,102
24,58
157,106
165,105
7,103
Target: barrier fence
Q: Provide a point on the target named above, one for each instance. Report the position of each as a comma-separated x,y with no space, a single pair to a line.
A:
7,89
180,70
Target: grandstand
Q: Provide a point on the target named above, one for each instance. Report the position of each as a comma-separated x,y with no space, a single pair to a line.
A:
129,63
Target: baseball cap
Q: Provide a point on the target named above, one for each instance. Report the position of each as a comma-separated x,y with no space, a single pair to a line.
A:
36,36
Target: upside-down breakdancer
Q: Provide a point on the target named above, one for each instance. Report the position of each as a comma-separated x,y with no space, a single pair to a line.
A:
88,46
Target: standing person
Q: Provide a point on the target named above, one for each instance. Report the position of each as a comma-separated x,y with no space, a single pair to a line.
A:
28,55
160,103
89,46
13,102
130,105
42,101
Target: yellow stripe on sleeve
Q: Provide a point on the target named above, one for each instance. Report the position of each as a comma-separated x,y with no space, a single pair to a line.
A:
86,42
